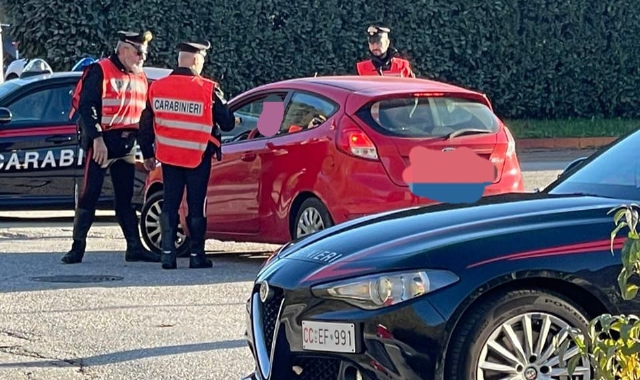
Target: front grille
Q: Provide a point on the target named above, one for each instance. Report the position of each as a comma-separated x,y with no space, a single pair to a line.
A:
270,311
317,368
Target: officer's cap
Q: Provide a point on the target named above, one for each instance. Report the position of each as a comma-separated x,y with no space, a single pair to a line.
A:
375,33
192,47
135,38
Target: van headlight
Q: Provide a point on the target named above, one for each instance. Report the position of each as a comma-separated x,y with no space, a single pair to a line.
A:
385,289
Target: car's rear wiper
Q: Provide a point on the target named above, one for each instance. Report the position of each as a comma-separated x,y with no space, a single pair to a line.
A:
465,131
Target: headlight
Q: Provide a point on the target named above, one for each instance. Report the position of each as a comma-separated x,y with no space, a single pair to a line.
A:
386,289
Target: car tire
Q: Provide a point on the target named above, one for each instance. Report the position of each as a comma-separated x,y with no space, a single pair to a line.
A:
150,227
493,321
312,216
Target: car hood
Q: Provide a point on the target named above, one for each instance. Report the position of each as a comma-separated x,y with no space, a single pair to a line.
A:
411,237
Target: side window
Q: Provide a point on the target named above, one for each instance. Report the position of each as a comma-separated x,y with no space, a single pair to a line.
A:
252,109
613,173
306,111
50,105
248,114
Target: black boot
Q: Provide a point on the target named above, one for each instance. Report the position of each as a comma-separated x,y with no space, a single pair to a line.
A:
197,228
135,250
168,242
81,224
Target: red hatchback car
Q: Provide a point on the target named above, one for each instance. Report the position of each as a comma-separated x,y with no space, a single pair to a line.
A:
339,154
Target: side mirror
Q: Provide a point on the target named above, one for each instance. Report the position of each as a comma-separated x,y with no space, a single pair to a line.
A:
572,165
5,115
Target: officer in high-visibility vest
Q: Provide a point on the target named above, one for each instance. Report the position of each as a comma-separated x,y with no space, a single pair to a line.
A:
109,99
181,116
384,59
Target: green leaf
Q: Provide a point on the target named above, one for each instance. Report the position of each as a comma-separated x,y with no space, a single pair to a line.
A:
622,280
619,215
572,364
561,348
615,232
631,291
625,331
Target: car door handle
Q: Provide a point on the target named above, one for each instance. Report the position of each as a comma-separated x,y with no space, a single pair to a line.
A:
59,139
248,157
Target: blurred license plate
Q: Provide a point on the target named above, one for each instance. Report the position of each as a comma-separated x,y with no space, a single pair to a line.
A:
328,336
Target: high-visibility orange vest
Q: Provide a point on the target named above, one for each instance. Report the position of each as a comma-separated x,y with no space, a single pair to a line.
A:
399,68
183,118
123,97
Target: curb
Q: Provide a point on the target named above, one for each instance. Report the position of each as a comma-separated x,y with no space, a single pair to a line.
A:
564,143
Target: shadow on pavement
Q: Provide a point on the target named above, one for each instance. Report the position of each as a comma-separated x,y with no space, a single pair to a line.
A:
124,356
127,307
21,272
48,221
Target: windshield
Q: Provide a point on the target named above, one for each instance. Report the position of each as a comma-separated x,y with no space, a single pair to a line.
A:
428,116
7,87
614,173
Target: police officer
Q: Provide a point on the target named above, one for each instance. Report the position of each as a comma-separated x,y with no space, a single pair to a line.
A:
109,100
182,111
384,60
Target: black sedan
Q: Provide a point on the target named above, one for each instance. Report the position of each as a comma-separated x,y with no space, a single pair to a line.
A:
41,163
475,292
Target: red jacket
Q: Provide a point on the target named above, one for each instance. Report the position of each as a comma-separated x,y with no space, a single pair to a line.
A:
399,68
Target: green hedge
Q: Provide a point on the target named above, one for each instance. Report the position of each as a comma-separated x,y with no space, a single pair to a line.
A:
533,58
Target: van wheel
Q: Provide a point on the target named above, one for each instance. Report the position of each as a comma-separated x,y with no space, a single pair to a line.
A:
312,216
151,230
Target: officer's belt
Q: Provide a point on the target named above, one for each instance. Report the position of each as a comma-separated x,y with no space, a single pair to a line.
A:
123,127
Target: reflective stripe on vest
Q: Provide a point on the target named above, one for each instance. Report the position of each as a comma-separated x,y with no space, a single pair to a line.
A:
123,97
187,126
183,118
181,143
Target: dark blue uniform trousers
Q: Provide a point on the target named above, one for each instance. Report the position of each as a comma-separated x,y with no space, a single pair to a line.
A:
195,180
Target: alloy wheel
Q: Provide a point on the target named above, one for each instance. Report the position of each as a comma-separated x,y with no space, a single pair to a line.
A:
522,348
153,229
310,221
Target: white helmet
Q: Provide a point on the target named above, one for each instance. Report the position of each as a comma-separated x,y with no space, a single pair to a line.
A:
36,66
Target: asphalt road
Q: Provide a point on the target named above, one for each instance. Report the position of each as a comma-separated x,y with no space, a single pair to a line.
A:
145,323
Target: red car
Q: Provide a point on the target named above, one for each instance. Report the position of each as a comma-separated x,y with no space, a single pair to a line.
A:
340,153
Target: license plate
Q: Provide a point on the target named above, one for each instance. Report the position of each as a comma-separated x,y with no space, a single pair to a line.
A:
328,336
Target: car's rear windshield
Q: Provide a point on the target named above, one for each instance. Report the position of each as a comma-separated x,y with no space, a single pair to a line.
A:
428,116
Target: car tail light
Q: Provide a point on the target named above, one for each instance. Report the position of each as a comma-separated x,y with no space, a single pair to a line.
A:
504,150
354,141
431,94
511,145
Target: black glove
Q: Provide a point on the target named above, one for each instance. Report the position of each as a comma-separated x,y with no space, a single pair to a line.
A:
218,136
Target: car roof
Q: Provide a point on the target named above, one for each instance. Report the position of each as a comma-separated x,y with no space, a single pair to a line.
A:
152,73
372,85
35,78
